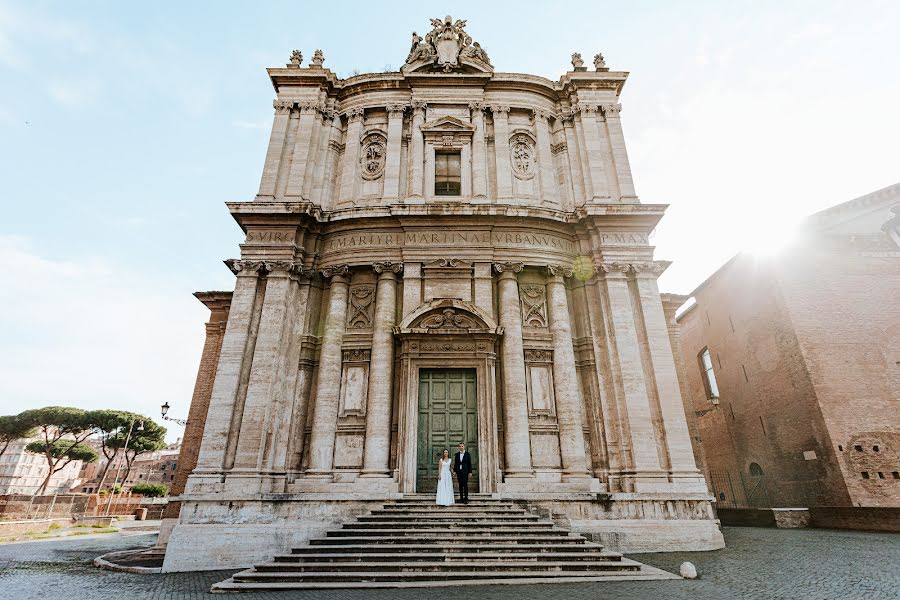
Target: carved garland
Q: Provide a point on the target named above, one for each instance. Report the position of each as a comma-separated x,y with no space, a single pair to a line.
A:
534,305
448,319
360,307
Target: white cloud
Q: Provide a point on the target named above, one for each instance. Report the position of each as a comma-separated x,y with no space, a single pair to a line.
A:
263,125
74,94
92,332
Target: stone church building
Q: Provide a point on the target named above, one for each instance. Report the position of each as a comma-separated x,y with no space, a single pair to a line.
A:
437,255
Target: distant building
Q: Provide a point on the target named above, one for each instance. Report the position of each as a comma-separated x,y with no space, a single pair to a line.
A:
23,472
793,364
154,467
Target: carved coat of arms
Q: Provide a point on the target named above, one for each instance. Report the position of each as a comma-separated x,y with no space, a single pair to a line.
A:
445,44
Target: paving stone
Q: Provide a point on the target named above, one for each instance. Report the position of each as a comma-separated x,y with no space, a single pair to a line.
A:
770,564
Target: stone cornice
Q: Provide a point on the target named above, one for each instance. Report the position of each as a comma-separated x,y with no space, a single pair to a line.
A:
640,216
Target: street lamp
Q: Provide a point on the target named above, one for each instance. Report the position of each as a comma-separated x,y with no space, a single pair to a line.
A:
165,409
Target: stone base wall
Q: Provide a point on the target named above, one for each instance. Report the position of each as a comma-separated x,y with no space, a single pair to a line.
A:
870,518
782,518
237,534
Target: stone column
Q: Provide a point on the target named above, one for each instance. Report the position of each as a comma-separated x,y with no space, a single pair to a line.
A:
381,373
332,156
271,346
328,392
515,401
545,158
321,171
565,378
599,191
222,405
392,158
479,159
668,390
350,169
648,474
417,150
318,138
573,152
276,146
302,150
501,146
619,154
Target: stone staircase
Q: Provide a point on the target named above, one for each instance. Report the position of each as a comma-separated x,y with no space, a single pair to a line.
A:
411,542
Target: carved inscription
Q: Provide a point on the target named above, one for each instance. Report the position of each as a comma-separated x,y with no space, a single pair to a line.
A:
270,236
630,237
476,239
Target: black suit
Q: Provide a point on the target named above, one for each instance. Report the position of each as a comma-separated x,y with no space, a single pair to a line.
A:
462,468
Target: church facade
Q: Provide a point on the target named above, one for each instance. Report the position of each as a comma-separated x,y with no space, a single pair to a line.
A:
438,255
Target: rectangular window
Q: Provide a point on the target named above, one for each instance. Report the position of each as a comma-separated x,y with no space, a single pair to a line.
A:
447,174
709,377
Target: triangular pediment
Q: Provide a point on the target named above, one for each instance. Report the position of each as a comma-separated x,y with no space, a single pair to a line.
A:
448,124
860,216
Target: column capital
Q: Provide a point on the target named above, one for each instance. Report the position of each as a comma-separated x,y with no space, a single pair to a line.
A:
282,106
395,110
589,109
559,271
354,114
245,267
336,271
419,105
499,110
387,268
613,270
287,268
543,115
477,106
509,267
650,269
310,107
611,110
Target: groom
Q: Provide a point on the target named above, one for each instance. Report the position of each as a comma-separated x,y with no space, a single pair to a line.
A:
462,466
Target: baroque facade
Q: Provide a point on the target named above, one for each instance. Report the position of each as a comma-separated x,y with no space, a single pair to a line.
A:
793,365
442,254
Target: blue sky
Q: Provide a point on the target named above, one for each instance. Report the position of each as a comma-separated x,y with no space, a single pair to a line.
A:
124,127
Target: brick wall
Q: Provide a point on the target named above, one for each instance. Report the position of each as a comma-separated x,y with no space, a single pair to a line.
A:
219,304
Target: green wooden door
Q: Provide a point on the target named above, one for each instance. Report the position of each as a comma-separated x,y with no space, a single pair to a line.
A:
447,416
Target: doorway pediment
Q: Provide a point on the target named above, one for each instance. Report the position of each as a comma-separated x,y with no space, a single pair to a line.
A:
448,316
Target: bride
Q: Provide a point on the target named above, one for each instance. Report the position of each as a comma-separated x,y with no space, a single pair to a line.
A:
445,481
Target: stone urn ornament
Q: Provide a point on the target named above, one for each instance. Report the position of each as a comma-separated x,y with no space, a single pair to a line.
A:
317,59
600,62
296,59
577,62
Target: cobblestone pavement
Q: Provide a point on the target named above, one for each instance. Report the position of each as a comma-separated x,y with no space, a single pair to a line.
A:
812,564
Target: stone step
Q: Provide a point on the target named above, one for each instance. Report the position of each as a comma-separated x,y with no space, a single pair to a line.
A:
567,545
440,566
451,575
435,532
446,539
398,516
455,509
449,557
454,524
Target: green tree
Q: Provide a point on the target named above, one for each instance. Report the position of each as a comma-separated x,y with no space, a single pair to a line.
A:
150,438
112,427
12,428
61,429
150,490
60,453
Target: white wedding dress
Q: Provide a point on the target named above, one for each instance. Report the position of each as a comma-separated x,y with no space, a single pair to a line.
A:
445,485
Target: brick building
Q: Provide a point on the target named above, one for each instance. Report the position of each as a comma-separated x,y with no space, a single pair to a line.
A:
793,364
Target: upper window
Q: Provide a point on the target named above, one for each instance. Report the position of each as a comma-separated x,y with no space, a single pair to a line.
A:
447,174
709,377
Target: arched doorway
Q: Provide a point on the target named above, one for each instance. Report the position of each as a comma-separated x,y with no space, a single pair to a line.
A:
448,353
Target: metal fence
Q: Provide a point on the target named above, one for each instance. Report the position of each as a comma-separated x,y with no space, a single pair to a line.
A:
734,489
74,506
